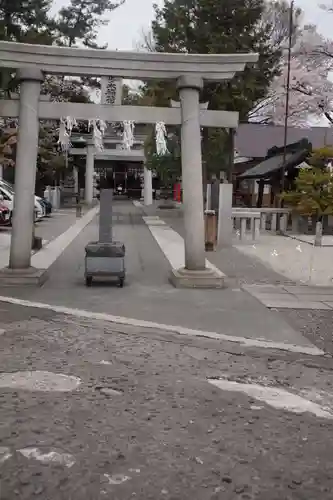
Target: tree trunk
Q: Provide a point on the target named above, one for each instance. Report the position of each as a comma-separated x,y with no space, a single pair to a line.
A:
319,233
204,182
260,197
231,154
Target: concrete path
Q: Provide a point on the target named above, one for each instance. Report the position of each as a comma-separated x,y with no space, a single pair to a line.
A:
148,297
91,410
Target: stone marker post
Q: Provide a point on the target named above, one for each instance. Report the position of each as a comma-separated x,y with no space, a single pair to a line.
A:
105,216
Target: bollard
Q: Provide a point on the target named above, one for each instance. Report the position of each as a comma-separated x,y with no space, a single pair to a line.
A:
283,223
274,222
255,229
36,241
243,225
295,223
263,220
210,230
78,207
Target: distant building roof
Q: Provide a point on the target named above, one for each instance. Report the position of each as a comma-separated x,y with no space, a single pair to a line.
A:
253,140
272,165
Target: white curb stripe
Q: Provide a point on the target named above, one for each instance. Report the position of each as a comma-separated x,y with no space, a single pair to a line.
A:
276,397
170,242
52,251
247,342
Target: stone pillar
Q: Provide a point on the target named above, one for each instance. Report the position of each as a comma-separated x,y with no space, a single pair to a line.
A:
195,274
105,216
90,161
1,171
76,180
148,187
224,233
47,194
25,168
55,197
208,196
215,195
192,174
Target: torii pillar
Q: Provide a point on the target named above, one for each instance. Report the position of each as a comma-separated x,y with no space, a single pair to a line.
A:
195,274
89,176
147,186
19,267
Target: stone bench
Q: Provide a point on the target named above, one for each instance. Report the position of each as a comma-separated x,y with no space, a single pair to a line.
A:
241,218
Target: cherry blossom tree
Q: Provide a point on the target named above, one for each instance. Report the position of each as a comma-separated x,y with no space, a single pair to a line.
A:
311,88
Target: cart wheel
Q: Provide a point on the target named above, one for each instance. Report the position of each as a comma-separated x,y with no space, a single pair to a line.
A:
89,280
121,282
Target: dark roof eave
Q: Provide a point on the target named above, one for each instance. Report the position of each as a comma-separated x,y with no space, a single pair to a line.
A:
295,160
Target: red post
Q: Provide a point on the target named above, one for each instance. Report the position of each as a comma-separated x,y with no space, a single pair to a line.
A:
177,192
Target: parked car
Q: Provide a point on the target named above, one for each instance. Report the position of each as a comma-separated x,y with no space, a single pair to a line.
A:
7,192
47,205
4,214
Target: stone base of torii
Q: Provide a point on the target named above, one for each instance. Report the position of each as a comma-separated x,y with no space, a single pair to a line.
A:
190,71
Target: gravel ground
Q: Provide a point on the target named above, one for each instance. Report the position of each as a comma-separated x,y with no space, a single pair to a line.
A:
146,424
317,326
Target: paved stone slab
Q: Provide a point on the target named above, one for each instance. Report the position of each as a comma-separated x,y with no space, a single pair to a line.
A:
330,304
291,297
315,297
265,290
309,290
295,304
266,298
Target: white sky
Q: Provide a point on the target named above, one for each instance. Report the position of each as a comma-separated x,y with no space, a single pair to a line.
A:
127,22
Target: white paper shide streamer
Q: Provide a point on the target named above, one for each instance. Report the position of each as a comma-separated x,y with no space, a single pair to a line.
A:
65,132
160,137
98,128
128,135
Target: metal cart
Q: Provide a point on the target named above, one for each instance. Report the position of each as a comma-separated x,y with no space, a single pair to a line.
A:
105,260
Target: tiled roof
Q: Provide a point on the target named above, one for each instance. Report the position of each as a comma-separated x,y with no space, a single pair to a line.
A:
270,166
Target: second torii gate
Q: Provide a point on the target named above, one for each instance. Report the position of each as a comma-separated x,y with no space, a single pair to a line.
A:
207,119
190,71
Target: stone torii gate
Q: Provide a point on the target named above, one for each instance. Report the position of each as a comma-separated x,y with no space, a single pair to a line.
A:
190,71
